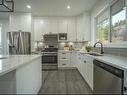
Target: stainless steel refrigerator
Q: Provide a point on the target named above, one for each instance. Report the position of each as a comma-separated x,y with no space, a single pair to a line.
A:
19,42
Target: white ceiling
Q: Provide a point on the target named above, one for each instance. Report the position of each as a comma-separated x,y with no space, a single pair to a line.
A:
54,7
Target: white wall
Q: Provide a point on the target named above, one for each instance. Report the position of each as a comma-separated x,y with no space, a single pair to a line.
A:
5,29
98,8
20,21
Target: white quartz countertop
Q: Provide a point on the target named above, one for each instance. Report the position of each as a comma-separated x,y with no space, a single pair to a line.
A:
12,62
113,60
116,61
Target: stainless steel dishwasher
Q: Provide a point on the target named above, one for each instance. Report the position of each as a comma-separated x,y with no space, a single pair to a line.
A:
107,79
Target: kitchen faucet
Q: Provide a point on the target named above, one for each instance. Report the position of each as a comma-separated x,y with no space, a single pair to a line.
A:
101,46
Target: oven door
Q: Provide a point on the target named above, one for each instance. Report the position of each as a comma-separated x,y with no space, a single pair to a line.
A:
49,59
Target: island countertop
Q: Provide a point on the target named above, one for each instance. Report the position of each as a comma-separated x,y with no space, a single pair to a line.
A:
12,62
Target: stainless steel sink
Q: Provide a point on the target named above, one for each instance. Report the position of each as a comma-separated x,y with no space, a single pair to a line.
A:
95,54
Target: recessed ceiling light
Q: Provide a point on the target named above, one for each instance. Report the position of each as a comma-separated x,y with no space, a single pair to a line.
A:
42,22
28,6
68,7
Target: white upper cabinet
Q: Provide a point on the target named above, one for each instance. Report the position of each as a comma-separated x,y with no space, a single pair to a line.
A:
71,30
41,27
83,27
20,21
45,26
79,30
54,26
86,27
63,25
37,30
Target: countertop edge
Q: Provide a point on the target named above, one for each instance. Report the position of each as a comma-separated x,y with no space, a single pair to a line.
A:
20,65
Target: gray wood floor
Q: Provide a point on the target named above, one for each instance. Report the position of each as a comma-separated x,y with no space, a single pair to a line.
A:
64,82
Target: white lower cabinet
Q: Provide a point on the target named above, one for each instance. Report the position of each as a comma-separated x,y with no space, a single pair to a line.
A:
73,59
66,59
85,67
63,63
63,59
89,70
81,61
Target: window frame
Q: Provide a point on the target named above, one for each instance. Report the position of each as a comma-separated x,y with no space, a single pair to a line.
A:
1,39
0,35
122,44
102,22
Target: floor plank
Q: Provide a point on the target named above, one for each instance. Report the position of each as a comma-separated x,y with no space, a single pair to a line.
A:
64,82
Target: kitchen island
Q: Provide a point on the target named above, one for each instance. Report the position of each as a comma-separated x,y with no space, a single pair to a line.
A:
20,74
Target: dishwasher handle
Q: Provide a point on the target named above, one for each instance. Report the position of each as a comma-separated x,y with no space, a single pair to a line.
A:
118,72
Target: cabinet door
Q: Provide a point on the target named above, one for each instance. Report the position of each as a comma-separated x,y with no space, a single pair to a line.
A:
79,29
90,72
63,24
86,27
37,30
41,27
84,67
54,26
71,30
76,60
83,27
46,26
72,59
79,64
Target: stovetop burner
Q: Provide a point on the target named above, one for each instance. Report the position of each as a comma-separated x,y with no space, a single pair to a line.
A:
50,50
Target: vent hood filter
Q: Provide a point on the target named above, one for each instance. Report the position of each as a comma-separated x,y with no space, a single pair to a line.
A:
6,6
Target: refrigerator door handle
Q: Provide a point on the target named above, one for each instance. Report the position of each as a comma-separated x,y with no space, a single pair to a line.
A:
22,46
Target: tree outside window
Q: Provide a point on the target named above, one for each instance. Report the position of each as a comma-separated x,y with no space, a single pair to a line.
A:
118,28
103,31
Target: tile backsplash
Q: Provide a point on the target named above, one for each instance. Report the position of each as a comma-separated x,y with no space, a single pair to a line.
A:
113,51
78,45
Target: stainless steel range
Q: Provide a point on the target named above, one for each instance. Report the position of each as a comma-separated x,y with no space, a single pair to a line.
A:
49,61
49,54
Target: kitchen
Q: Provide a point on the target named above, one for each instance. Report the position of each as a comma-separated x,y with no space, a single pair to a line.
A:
63,47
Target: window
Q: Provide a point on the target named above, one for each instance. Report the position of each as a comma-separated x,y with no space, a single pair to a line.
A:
118,22
111,26
102,33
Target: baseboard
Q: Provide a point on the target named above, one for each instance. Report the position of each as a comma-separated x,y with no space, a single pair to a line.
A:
67,68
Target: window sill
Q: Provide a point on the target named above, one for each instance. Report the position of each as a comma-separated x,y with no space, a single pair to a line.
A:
116,45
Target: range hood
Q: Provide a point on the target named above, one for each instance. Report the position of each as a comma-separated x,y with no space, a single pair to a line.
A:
6,6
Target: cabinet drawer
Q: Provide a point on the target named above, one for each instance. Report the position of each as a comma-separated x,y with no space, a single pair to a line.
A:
63,55
63,63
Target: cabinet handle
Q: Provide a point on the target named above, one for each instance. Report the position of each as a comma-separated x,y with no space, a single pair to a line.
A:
63,58
63,64
63,53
